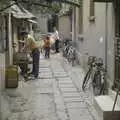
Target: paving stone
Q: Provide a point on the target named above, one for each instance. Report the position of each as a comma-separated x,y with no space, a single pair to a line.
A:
77,114
64,79
68,89
76,105
65,82
45,90
41,83
70,100
45,76
61,75
71,94
44,70
66,85
62,115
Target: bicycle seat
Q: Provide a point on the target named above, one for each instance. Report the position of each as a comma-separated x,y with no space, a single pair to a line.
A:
91,59
99,62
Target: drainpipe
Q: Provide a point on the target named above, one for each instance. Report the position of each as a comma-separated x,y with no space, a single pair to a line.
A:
106,35
74,26
106,46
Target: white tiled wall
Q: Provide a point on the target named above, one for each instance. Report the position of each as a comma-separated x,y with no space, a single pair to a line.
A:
2,71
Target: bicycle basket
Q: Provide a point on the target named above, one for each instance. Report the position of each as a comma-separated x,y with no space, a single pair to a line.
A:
91,59
99,62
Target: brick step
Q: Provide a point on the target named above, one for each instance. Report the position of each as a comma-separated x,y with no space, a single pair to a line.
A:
104,105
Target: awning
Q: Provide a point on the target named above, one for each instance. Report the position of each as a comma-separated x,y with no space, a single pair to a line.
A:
32,21
103,0
70,2
19,12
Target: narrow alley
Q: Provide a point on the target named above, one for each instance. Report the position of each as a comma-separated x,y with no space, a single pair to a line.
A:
78,77
55,95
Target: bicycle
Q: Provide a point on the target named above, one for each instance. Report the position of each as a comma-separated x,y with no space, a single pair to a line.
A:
98,81
91,64
65,50
66,46
71,55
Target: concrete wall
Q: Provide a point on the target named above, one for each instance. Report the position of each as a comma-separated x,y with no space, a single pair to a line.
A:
94,35
2,71
64,27
42,23
41,19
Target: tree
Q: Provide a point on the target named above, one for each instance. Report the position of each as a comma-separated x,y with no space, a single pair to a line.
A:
4,3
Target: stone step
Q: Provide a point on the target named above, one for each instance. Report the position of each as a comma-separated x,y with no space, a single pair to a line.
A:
104,105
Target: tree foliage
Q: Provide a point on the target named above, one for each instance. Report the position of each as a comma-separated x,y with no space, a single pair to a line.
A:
45,6
4,3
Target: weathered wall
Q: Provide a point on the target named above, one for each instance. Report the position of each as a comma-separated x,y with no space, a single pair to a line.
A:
94,35
41,19
2,71
64,27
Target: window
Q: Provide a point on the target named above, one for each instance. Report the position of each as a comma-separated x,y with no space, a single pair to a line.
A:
81,17
92,11
2,34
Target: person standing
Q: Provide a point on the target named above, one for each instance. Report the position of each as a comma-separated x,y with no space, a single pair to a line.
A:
47,47
35,53
56,37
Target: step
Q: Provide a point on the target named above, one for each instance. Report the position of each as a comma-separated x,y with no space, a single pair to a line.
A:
104,105
112,94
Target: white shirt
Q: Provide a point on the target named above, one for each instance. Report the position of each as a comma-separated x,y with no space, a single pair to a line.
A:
56,35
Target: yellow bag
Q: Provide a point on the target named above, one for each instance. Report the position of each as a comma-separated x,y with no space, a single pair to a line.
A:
11,76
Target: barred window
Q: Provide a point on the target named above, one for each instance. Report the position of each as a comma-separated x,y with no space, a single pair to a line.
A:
92,8
80,16
2,34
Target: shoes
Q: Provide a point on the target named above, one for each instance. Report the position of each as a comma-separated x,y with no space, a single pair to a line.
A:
31,73
33,77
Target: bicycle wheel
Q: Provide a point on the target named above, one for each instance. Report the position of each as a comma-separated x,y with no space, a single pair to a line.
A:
102,90
70,57
86,79
97,84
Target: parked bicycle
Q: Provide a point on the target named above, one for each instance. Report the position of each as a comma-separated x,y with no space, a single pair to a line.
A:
71,55
96,73
69,52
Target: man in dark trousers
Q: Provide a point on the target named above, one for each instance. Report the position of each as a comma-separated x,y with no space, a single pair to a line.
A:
32,46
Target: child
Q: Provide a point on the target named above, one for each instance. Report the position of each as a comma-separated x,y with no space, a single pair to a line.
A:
47,47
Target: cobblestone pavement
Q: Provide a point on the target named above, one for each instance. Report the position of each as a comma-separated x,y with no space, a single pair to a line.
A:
55,95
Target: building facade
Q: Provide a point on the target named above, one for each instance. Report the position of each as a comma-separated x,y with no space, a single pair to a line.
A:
94,33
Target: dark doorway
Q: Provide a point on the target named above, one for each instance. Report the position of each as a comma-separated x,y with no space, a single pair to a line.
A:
117,43
52,22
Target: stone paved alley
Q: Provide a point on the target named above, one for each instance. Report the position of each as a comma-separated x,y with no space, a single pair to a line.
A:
56,95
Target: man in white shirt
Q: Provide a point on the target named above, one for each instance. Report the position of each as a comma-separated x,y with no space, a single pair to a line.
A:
56,37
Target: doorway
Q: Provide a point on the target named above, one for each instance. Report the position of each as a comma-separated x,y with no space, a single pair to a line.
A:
117,44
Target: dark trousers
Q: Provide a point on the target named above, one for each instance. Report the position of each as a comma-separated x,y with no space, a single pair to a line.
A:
36,58
57,45
47,52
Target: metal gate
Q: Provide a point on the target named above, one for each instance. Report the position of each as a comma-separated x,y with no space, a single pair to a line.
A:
117,43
